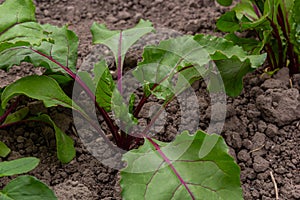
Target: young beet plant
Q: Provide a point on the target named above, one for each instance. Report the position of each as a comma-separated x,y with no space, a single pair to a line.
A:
276,25
197,166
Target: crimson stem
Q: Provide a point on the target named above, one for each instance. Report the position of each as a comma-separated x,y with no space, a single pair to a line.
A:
167,160
120,65
105,115
9,110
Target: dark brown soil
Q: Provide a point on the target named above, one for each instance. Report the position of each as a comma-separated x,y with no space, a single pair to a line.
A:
262,127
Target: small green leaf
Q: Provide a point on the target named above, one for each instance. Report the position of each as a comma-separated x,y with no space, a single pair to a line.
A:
18,166
27,188
245,8
229,68
248,44
225,2
105,85
64,144
102,35
228,22
131,103
41,88
204,170
17,116
4,150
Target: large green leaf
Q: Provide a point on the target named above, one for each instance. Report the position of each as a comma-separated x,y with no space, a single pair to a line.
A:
18,25
26,188
220,48
195,166
160,64
231,60
64,144
38,87
62,50
4,150
18,166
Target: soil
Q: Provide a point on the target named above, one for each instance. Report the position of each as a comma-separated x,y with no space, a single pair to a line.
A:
262,126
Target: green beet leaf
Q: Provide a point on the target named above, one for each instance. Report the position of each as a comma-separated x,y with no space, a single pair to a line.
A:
220,48
17,116
231,61
116,39
18,25
18,166
195,167
163,62
228,22
22,39
64,144
105,85
4,150
225,2
102,84
248,44
122,112
86,78
38,87
26,188
62,50
295,14
229,68
120,41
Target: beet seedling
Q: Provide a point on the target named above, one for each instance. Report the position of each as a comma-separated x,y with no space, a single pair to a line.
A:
197,166
275,25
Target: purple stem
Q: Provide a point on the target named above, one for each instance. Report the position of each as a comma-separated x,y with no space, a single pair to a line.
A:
145,98
105,115
9,110
166,159
21,122
120,65
280,46
256,10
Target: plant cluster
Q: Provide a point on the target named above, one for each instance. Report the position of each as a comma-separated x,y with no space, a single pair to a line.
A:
275,26
197,165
